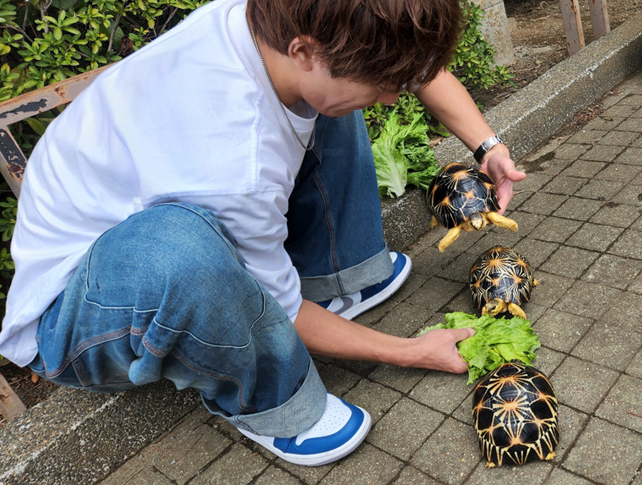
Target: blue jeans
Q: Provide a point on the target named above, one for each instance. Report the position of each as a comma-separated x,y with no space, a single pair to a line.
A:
165,294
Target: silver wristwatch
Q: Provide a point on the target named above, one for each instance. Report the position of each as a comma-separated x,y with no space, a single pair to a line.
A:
485,146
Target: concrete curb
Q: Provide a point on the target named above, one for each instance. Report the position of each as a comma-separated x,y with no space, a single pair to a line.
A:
78,437
531,116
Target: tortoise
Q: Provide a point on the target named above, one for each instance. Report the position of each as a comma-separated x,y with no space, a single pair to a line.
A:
515,415
463,197
501,279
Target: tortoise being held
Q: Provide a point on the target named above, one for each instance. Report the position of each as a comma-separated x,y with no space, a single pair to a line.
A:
464,197
515,415
500,280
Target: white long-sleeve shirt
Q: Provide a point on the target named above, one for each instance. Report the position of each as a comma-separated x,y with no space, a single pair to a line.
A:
191,117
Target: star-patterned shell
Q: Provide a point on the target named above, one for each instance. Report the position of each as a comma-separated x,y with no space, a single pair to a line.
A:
501,273
458,191
515,415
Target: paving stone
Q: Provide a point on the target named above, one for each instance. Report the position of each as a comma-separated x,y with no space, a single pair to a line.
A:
526,221
534,472
533,182
554,229
582,385
630,124
617,215
613,271
494,237
578,209
338,381
239,466
608,345
630,156
184,452
435,293
400,378
602,153
309,475
617,172
604,124
569,151
136,466
561,331
432,261
559,476
547,360
636,114
412,476
275,475
377,313
623,405
619,138
583,169
631,195
631,100
600,189
587,299
450,454
464,411
373,397
551,288
414,281
595,237
635,367
606,453
564,185
359,367
403,320
636,286
543,203
628,245
569,262
533,312
519,197
365,466
459,269
463,302
618,111
587,137
404,428
150,477
570,424
625,311
535,252
441,391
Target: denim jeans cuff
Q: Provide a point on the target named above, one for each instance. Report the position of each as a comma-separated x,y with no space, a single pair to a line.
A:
370,272
292,417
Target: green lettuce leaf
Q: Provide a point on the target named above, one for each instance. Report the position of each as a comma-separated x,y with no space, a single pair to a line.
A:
496,341
402,155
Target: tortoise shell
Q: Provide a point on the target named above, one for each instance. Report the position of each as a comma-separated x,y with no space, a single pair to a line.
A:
501,273
458,191
515,415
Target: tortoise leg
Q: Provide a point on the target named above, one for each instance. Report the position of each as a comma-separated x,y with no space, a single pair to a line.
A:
494,307
516,311
434,222
550,456
450,237
535,282
467,226
490,464
501,221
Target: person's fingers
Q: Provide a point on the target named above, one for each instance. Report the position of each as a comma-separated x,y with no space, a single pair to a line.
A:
516,175
463,333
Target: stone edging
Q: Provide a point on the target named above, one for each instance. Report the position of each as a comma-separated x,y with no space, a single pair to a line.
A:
75,437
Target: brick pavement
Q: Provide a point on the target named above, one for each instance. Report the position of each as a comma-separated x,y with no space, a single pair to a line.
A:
580,225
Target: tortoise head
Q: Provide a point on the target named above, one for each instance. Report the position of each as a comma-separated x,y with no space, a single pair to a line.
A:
477,221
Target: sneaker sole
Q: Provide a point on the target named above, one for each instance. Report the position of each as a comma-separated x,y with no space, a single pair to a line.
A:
319,459
392,288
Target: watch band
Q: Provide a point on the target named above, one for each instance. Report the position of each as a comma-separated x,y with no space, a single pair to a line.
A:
485,146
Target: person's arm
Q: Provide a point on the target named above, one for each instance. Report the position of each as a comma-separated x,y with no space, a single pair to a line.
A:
329,335
447,100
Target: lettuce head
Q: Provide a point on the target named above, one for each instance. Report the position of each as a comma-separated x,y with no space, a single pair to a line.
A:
496,341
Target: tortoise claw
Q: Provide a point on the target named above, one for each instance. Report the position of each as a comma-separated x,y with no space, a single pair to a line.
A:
450,237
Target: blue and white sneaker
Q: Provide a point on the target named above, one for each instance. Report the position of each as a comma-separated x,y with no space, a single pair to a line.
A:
339,431
352,305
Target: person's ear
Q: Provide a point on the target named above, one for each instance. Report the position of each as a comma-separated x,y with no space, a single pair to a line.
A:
301,52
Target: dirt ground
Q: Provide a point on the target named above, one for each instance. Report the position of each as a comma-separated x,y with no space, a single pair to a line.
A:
539,40
539,43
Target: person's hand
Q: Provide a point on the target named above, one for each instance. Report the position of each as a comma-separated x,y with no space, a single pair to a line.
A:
437,350
501,169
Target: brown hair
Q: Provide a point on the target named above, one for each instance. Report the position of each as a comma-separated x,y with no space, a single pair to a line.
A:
396,43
